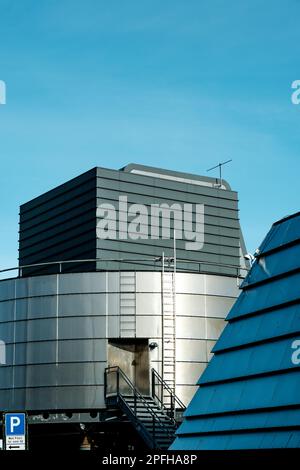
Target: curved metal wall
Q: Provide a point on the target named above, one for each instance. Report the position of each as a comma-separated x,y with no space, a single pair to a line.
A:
56,330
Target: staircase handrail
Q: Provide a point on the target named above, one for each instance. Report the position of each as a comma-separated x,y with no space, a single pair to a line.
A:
119,372
165,386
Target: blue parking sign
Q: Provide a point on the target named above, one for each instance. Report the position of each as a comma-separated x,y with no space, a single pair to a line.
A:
15,424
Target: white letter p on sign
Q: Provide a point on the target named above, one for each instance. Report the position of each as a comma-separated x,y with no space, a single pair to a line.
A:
14,423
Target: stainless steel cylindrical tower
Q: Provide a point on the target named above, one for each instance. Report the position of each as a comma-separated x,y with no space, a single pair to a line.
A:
61,331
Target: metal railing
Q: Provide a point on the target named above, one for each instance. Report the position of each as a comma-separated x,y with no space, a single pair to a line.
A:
164,395
118,388
196,266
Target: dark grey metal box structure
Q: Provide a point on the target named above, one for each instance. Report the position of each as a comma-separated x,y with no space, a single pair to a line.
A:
61,224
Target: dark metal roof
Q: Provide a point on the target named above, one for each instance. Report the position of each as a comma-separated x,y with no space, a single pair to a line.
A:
249,395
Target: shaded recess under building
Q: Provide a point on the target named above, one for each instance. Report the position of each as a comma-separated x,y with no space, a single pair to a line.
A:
105,320
249,395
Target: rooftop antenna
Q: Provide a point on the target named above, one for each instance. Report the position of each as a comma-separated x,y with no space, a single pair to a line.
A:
220,170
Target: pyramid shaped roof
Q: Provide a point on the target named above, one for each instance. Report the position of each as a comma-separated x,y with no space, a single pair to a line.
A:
249,395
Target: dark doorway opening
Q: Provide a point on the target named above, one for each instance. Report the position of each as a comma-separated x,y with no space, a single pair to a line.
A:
132,356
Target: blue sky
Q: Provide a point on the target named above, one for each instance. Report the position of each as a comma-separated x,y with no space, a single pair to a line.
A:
180,84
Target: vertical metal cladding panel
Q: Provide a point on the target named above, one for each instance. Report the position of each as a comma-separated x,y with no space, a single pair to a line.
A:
57,347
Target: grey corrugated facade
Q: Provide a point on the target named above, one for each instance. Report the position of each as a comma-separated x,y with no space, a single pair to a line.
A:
61,224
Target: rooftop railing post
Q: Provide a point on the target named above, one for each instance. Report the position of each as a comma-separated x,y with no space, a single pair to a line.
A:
153,383
118,380
172,406
153,429
105,383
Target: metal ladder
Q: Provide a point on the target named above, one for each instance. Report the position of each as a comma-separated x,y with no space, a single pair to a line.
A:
127,304
168,326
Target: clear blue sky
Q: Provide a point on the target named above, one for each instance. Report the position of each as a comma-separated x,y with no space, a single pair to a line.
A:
180,84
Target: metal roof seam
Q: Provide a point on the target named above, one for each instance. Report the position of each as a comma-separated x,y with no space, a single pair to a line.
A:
277,249
288,217
273,339
239,430
247,287
258,411
250,376
263,310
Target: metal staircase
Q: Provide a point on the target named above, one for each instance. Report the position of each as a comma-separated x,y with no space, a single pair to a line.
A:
155,422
